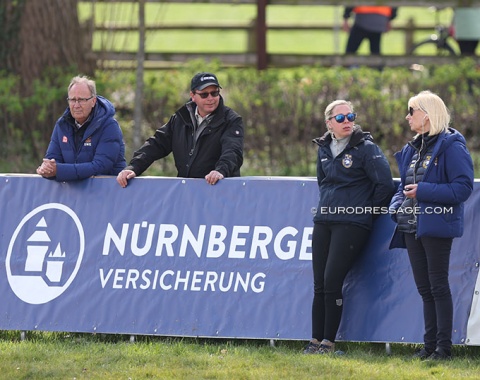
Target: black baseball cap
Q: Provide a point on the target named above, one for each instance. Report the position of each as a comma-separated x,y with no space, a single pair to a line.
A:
202,80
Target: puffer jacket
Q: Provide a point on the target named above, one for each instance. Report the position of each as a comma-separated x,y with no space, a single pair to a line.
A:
446,184
355,182
407,219
101,150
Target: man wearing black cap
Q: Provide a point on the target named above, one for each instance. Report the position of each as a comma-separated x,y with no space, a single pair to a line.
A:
205,136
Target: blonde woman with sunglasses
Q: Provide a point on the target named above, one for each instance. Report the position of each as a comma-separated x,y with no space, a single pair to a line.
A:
355,183
436,173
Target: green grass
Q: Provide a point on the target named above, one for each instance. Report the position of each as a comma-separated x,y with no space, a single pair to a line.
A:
84,356
226,41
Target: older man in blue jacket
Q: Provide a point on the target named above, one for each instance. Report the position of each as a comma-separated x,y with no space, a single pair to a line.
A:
87,140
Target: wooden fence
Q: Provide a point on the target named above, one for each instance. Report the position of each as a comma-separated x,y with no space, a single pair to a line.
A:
256,54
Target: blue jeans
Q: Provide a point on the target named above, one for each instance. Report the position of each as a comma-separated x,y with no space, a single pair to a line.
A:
430,260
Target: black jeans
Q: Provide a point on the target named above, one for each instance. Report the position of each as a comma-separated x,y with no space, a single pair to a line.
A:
357,35
430,260
335,247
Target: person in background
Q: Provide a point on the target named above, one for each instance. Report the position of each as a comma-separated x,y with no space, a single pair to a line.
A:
466,29
370,22
87,140
352,174
205,136
436,179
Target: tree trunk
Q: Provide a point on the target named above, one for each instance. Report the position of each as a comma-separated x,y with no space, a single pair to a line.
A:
51,36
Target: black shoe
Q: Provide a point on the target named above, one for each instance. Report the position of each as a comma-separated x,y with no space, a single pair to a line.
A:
422,353
439,355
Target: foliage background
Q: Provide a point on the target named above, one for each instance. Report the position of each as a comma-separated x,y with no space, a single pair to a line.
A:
42,45
282,109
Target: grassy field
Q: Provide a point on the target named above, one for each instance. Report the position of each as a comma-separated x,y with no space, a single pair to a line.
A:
293,42
83,356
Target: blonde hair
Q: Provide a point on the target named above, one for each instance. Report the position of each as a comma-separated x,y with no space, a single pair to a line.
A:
435,108
332,105
83,80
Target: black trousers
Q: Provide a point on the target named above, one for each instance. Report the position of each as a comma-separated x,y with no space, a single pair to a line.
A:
430,260
357,35
468,47
335,247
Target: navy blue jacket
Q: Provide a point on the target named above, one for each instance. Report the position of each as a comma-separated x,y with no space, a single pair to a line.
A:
219,146
447,183
101,151
358,181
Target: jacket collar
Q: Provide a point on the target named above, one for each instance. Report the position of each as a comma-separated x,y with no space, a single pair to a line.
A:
358,137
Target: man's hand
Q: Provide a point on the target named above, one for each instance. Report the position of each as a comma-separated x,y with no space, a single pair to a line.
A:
124,176
48,168
213,177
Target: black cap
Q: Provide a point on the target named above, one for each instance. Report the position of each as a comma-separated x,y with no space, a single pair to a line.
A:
202,80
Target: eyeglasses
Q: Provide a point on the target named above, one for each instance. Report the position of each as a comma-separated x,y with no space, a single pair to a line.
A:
204,95
341,118
411,110
80,101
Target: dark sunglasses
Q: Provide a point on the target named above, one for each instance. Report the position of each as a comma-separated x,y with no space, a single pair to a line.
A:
341,118
204,95
411,110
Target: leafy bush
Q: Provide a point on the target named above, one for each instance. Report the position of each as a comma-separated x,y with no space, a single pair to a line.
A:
282,109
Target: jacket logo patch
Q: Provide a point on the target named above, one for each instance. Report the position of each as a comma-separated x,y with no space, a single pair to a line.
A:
426,162
347,161
88,142
65,139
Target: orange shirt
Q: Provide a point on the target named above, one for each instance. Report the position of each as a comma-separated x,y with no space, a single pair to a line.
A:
384,11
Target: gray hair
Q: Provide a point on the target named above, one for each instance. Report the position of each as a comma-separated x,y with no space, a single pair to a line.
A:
84,80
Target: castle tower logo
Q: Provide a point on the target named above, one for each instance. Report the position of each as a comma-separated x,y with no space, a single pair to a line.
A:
45,253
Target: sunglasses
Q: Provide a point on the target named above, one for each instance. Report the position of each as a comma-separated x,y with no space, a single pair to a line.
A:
411,110
204,95
341,118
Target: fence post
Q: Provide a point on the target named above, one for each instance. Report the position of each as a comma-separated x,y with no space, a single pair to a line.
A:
252,36
409,33
261,31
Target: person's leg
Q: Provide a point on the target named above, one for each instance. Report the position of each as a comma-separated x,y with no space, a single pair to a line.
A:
346,244
467,47
438,258
419,263
374,38
355,38
320,247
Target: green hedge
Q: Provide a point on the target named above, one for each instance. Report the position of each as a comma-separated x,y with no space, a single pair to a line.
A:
282,109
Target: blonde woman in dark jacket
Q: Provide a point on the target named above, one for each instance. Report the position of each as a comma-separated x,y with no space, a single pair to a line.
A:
355,183
436,179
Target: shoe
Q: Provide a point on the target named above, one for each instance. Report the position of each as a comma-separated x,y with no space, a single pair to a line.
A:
439,355
326,347
311,348
422,353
